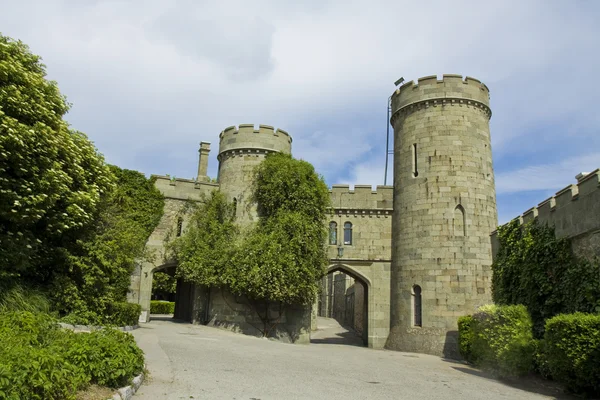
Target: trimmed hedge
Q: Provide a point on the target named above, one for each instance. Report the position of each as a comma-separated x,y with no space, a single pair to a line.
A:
162,307
39,360
572,351
465,337
123,314
502,340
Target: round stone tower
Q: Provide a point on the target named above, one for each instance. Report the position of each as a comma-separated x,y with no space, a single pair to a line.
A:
240,150
444,211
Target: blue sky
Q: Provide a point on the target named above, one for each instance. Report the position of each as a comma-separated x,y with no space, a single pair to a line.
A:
151,79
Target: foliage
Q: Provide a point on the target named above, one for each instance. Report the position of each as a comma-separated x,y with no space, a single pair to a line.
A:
100,266
208,246
19,298
465,337
572,351
38,360
122,314
502,340
162,307
536,269
163,283
51,177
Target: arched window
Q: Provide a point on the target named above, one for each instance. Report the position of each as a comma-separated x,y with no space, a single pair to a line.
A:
417,313
332,232
348,233
459,222
179,226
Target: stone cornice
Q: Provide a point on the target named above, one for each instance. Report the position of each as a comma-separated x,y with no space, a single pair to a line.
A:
244,151
441,101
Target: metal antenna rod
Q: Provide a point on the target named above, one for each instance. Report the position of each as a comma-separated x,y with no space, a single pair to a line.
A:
387,138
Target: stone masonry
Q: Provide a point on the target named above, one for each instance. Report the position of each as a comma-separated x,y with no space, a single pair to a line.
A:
444,209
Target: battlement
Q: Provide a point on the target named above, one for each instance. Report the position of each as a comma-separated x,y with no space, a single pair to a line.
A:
573,211
451,89
246,136
182,189
362,198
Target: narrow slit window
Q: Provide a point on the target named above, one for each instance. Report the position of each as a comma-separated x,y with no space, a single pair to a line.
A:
417,309
415,168
332,233
459,221
179,226
234,206
348,233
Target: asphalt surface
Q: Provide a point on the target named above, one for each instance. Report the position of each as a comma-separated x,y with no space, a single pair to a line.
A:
198,362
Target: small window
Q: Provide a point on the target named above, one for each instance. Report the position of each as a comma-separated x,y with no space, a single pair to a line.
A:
417,317
332,233
415,169
348,233
234,206
179,226
459,221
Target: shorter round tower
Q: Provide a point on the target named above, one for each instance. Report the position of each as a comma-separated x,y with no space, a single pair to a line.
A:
241,149
444,211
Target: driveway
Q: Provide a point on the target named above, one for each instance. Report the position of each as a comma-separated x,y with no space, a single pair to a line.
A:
198,362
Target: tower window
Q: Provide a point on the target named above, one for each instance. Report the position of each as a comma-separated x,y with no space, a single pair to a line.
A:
332,232
459,222
417,313
415,169
348,233
234,206
179,226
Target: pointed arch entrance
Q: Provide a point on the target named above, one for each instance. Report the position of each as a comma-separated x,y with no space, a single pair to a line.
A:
348,304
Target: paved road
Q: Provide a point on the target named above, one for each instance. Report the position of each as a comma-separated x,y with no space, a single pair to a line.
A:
197,362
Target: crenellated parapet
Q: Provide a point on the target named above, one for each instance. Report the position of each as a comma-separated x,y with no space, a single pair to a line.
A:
362,201
573,211
245,139
182,189
450,91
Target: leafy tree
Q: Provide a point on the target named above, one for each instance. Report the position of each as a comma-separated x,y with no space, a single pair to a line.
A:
283,257
100,265
163,284
207,247
51,177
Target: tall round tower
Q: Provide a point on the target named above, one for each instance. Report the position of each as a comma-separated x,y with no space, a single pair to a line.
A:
444,211
240,150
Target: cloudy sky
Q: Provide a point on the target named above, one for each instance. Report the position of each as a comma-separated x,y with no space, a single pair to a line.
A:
150,79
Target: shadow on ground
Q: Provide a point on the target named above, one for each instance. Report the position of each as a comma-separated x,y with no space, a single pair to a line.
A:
530,383
166,317
344,338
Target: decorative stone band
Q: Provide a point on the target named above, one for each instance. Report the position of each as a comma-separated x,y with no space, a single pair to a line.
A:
441,101
248,151
384,212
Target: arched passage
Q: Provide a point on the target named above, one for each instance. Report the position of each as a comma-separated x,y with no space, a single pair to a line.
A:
346,298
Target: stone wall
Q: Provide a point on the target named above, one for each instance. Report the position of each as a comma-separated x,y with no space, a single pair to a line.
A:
574,212
444,209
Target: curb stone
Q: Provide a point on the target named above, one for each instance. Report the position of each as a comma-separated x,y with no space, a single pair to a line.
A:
92,328
127,392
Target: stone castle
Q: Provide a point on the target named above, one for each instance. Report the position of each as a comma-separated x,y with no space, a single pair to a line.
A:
420,250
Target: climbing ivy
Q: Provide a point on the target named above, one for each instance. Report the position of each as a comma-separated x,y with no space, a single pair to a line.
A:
535,268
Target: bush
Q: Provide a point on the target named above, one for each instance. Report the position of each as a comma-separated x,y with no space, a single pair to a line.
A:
162,307
20,298
122,314
38,360
503,340
572,351
465,337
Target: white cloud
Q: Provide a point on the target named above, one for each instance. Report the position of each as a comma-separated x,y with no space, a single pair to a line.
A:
552,176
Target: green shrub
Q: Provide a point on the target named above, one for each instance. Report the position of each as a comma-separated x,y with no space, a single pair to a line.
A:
572,351
465,337
503,340
20,298
162,307
39,360
122,314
